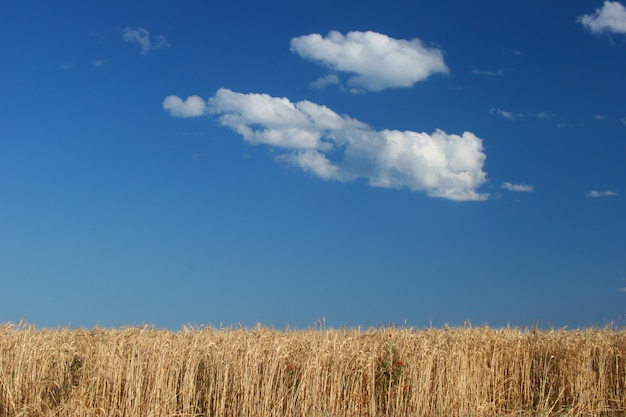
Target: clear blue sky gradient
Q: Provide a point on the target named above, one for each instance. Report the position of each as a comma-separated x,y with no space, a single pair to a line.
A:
113,212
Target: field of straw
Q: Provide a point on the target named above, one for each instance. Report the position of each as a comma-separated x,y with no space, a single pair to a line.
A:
318,372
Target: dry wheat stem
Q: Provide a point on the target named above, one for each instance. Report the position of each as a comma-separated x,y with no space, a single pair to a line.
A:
141,371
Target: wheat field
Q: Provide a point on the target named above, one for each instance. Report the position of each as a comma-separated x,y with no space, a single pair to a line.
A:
465,371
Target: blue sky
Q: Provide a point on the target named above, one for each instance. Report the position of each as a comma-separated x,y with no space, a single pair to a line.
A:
242,162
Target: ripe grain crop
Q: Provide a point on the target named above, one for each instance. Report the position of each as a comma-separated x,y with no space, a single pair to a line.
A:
142,371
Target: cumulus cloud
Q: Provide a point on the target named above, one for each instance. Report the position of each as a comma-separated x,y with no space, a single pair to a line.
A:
263,119
523,188
142,37
376,60
193,106
610,18
336,147
599,194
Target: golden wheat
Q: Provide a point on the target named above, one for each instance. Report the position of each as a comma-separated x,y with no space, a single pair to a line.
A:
265,372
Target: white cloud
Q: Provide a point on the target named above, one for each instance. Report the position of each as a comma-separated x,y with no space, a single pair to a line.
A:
444,165
325,81
142,37
610,18
514,116
598,194
337,147
97,63
488,73
623,119
506,114
524,188
263,119
317,164
378,61
66,66
193,106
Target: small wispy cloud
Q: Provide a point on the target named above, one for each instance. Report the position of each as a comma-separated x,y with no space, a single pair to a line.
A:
509,115
599,117
506,114
376,61
66,66
599,194
497,73
97,63
522,188
610,18
142,37
623,289
623,119
325,81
